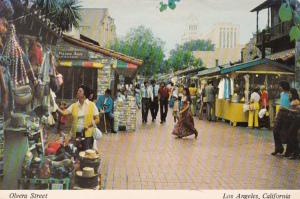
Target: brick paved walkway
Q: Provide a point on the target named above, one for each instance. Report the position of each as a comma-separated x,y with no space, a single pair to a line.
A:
223,157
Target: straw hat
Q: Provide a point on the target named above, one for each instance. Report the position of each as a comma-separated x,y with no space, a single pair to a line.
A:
89,154
87,172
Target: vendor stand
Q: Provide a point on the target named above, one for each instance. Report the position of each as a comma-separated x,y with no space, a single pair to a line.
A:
244,77
82,62
125,103
26,34
210,74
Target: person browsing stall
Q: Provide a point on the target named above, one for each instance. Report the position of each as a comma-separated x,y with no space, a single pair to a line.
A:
105,104
84,113
282,117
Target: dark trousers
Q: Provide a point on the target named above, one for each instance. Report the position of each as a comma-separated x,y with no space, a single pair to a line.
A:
292,139
163,109
154,107
83,143
109,120
282,122
202,107
145,108
210,108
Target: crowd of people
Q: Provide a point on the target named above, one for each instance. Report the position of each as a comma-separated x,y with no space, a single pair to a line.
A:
185,103
154,97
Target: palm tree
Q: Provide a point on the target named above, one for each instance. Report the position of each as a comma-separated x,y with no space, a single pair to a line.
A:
64,13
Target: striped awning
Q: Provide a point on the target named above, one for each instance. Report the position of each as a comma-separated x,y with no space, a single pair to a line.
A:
123,65
80,63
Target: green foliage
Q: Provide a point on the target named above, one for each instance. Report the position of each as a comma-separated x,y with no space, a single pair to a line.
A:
288,13
64,13
171,4
182,55
285,12
141,43
294,33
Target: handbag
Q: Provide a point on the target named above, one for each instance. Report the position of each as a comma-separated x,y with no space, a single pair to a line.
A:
245,107
97,134
22,91
22,95
262,113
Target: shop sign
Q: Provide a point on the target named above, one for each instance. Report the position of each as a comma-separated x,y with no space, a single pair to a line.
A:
93,55
73,54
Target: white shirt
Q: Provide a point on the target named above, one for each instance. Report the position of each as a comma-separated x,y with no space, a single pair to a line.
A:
147,92
254,97
156,88
82,109
175,91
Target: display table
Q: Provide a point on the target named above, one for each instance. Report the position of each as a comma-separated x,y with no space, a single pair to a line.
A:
231,111
51,183
125,114
16,146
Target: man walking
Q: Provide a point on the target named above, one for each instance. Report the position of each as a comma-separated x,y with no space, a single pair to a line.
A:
154,103
210,101
163,93
147,97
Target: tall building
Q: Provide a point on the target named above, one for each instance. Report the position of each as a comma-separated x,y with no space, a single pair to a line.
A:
191,30
226,38
224,35
96,24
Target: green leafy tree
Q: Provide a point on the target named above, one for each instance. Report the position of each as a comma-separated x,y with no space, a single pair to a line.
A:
64,13
142,44
164,5
182,56
288,12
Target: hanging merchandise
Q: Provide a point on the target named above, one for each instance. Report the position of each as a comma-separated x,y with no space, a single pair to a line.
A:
8,83
36,55
6,8
3,26
56,79
22,90
42,89
221,89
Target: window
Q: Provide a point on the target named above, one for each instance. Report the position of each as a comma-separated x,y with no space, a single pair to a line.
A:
235,38
224,40
220,38
73,78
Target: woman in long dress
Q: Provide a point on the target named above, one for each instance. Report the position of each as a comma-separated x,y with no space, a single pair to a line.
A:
185,125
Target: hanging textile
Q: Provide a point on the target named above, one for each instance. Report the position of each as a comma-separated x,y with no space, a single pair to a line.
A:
221,89
8,83
226,88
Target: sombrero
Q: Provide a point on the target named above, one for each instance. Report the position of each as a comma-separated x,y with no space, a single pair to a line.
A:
87,172
86,178
89,154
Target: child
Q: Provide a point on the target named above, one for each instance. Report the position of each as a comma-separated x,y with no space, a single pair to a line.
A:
175,107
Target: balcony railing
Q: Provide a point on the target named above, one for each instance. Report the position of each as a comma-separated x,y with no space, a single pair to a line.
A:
275,32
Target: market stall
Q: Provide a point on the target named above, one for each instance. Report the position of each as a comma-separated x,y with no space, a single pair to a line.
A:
237,82
34,155
82,62
26,39
125,108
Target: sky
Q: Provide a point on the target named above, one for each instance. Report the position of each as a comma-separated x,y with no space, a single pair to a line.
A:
170,25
